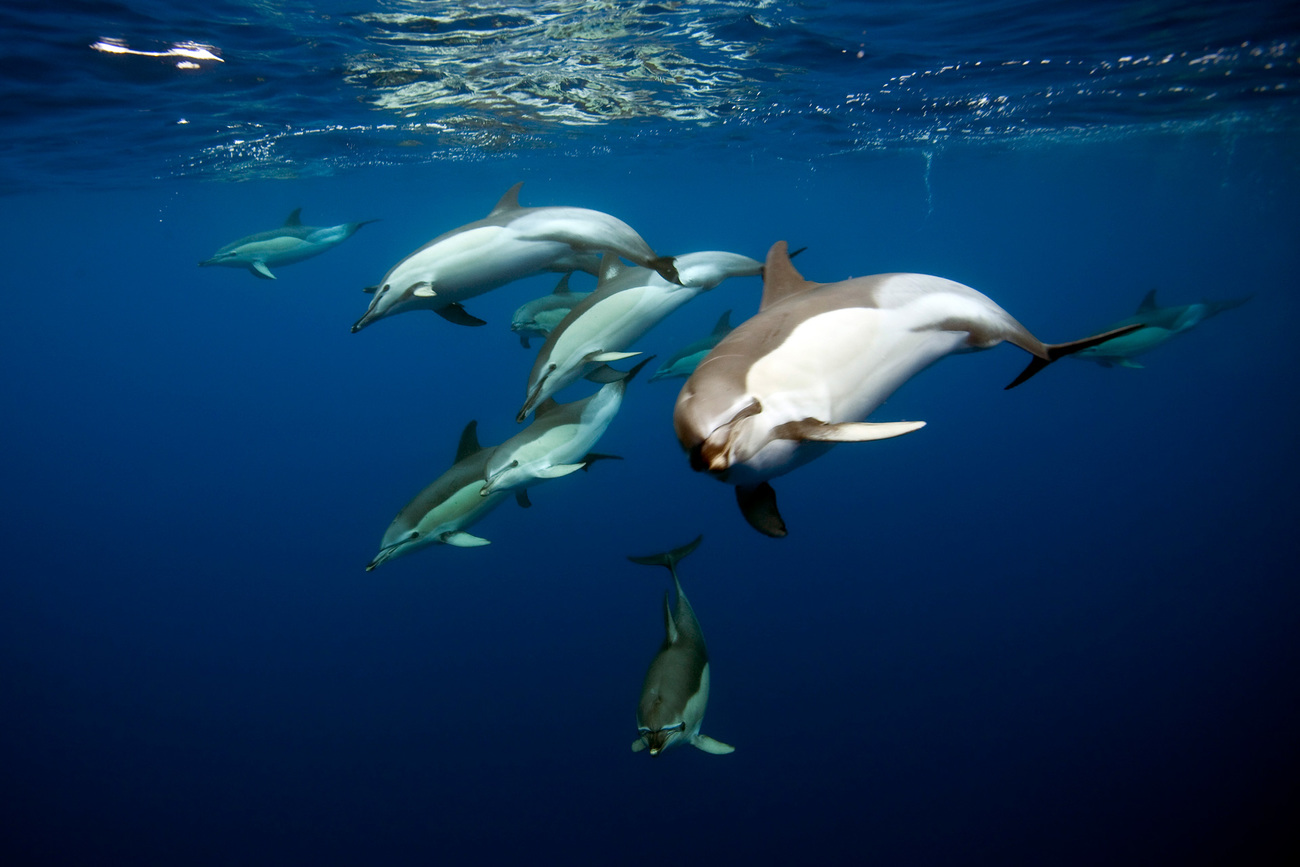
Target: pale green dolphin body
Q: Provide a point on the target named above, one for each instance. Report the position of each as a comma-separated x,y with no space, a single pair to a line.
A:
675,692
685,360
442,512
290,243
538,318
1162,325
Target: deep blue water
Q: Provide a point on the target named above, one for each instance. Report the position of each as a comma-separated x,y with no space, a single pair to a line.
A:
1057,626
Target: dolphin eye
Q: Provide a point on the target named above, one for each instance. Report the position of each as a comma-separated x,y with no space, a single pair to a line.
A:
643,730
675,727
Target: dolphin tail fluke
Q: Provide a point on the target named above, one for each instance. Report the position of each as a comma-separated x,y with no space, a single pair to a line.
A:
666,268
1055,351
758,505
669,559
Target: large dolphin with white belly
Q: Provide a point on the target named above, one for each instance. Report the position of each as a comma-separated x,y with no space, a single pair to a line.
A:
799,376
559,440
510,243
442,512
675,692
627,303
290,243
539,317
682,363
1162,325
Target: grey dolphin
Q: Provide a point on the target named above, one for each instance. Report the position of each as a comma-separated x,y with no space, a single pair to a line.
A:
509,243
290,243
683,362
1162,325
675,692
441,513
787,384
627,303
538,318
560,439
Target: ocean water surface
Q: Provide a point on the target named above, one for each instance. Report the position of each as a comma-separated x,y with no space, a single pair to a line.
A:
1058,625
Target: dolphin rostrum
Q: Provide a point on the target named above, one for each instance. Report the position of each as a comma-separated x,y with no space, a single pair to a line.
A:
627,303
509,243
683,362
787,384
560,439
1162,324
676,688
442,512
538,318
290,243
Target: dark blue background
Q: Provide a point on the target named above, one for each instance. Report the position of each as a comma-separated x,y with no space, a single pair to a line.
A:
1058,625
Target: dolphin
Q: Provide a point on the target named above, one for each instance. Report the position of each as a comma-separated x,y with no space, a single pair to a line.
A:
627,303
538,317
676,688
290,243
787,384
1162,324
441,512
559,440
684,361
509,243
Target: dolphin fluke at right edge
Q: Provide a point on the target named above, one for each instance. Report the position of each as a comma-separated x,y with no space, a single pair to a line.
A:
1060,350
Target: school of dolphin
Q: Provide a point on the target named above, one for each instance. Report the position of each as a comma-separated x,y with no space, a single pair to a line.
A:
760,399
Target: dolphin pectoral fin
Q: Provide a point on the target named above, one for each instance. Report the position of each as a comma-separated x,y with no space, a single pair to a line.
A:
461,539
758,505
666,269
813,430
554,472
606,357
521,497
424,290
1060,350
1128,362
638,745
709,745
259,269
523,341
591,457
457,315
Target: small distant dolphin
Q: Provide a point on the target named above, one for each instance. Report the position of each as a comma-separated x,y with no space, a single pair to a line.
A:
676,688
509,243
683,363
440,514
1162,324
627,303
538,318
560,439
290,243
788,383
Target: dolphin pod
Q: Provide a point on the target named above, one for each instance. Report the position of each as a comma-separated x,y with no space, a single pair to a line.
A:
760,400
800,376
290,243
1162,324
675,692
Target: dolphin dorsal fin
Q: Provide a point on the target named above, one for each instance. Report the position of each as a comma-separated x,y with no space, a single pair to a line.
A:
545,406
295,219
724,323
468,441
1149,304
508,202
610,267
562,288
780,278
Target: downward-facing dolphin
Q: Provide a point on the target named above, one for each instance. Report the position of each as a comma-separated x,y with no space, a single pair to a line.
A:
509,243
627,303
676,688
538,318
290,243
683,362
796,378
440,514
560,439
1162,324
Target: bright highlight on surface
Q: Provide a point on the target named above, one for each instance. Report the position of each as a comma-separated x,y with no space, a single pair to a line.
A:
188,52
